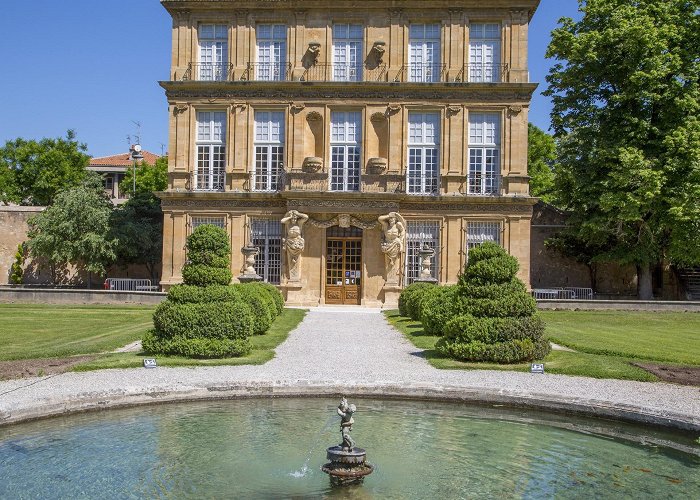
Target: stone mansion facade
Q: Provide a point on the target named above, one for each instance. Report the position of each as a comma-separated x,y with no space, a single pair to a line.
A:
341,138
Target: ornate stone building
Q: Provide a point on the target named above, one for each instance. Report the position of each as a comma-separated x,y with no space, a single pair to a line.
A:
342,137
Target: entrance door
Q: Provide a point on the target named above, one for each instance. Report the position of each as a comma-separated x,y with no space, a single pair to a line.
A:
343,265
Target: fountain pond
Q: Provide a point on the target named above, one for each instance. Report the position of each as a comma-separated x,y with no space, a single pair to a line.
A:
262,448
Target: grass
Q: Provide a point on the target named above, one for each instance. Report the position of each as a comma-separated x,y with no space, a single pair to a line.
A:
48,331
263,349
608,347
672,337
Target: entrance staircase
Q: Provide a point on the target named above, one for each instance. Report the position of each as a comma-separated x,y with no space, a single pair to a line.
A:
691,281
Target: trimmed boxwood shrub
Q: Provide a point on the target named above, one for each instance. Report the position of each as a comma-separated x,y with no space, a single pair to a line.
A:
261,304
438,307
410,299
223,320
202,275
495,319
196,347
182,294
208,257
273,292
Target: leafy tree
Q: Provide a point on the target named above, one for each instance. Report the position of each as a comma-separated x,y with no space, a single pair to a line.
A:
137,225
33,172
149,178
16,271
74,230
541,154
626,103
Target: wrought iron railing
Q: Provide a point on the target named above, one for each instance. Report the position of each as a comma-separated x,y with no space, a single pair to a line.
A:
421,73
343,73
268,72
207,181
479,184
208,72
483,73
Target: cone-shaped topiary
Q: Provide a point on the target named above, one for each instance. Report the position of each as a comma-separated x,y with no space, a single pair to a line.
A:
497,319
208,257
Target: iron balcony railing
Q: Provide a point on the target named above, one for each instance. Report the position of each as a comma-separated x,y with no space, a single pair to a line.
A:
421,73
211,181
268,72
483,73
479,184
208,72
344,73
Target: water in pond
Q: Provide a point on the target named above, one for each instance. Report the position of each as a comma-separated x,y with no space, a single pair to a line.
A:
274,447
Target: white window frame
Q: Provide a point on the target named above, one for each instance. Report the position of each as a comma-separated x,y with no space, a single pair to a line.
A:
485,52
419,233
201,220
484,154
345,150
479,232
268,148
212,52
424,58
271,49
210,150
266,235
347,52
423,158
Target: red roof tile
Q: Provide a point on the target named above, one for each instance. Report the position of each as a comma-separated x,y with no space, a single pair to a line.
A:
122,160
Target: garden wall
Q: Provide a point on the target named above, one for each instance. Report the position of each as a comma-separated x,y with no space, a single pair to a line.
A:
11,295
619,305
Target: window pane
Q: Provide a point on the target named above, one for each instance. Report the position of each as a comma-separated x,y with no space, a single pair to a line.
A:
266,234
419,234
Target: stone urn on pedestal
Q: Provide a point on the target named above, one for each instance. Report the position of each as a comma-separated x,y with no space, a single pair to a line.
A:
426,263
249,274
347,463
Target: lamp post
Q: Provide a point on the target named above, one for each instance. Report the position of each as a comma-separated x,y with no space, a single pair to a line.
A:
135,157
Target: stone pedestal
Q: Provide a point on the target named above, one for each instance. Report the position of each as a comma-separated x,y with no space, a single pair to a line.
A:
249,273
347,466
391,295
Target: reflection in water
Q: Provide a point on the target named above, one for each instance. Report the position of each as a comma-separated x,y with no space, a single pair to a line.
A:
274,447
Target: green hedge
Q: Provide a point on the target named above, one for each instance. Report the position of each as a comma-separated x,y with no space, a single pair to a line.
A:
512,351
209,245
273,293
184,294
223,320
411,298
196,347
467,328
261,304
202,275
439,306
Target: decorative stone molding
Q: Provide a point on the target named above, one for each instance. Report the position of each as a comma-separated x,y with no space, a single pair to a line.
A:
514,110
343,205
392,109
295,107
393,245
452,110
377,117
377,166
238,106
312,164
344,221
204,204
293,243
378,50
314,116
314,51
178,109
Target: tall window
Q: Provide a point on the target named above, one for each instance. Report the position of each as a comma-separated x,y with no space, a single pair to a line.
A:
272,52
211,150
480,232
424,53
418,235
213,52
423,152
266,234
345,150
484,53
484,162
269,150
347,52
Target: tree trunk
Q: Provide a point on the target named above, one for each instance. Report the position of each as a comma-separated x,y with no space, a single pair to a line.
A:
89,281
645,289
593,276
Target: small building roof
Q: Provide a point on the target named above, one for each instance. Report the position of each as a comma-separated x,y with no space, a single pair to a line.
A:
122,160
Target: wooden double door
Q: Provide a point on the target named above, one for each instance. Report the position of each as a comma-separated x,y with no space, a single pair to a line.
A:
343,266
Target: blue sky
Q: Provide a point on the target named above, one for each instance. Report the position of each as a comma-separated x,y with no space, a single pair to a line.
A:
93,66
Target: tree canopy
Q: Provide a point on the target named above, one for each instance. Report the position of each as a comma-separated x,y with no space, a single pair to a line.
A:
33,172
541,154
149,178
626,102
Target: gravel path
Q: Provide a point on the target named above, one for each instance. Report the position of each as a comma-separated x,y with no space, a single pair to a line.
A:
352,351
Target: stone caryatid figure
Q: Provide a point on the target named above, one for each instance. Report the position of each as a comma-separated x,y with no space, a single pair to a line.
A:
346,411
293,242
393,242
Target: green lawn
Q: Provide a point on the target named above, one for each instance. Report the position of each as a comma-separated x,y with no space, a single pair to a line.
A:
46,331
263,349
609,341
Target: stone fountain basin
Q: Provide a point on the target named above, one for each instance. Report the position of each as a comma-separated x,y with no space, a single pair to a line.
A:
341,455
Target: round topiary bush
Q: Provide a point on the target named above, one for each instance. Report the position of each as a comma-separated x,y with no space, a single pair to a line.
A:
438,307
223,320
495,319
208,257
272,291
410,299
196,347
261,304
182,294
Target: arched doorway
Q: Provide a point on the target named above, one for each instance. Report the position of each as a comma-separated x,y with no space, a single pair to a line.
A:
343,265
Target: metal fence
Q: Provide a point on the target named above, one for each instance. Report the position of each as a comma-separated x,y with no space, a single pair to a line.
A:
130,285
571,293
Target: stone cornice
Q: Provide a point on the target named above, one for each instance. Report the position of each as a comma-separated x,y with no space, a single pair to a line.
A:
368,91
